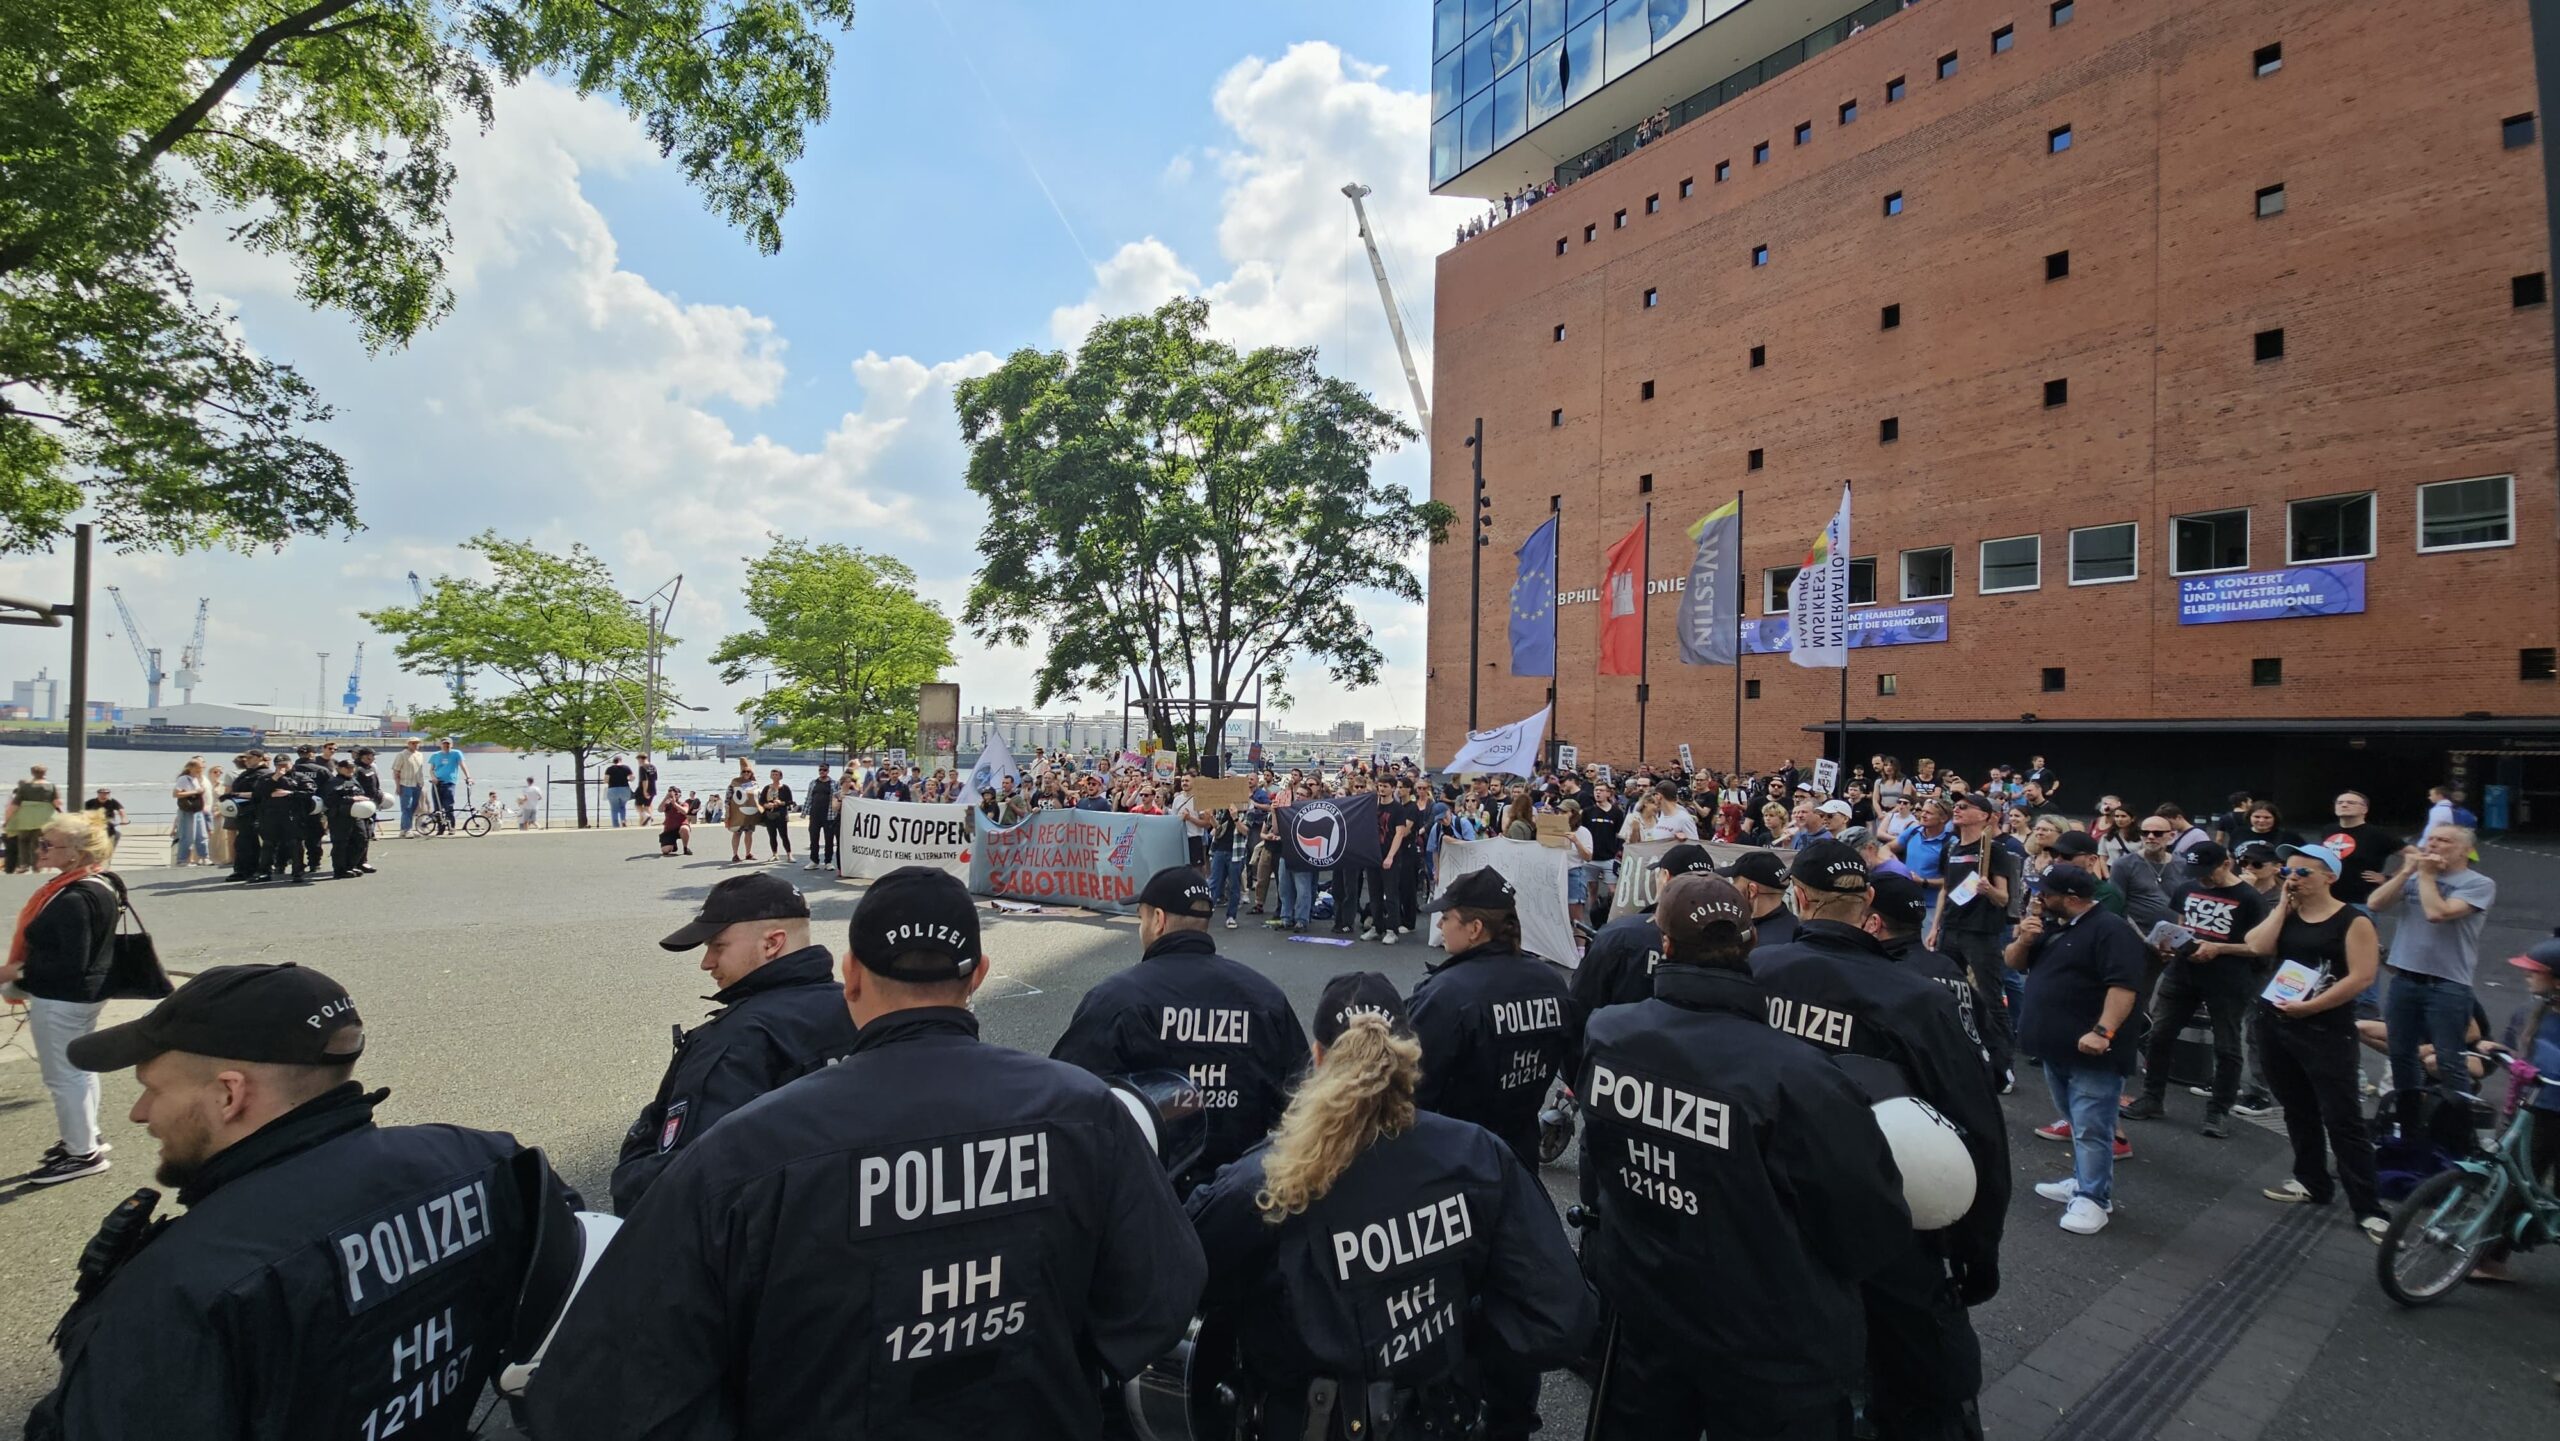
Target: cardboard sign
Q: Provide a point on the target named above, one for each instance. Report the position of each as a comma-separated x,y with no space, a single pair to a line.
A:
1686,763
897,756
1568,758
1553,830
1826,777
1166,765
1226,793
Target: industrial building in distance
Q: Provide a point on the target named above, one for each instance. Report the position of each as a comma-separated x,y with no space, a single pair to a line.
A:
2192,361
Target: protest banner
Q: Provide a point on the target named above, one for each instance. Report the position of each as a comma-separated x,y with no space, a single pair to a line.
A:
1332,831
1536,874
880,836
1093,859
1552,830
1686,763
1222,793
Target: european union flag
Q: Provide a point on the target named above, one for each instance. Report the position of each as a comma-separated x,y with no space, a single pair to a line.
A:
1533,604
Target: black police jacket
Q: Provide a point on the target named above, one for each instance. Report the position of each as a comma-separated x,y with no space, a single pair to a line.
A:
1947,972
1835,986
1183,1007
1774,929
285,793
1495,1027
786,1019
339,792
935,1238
1617,967
1741,1187
330,1278
1432,1247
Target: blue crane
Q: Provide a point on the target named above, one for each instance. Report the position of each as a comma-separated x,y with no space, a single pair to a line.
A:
355,681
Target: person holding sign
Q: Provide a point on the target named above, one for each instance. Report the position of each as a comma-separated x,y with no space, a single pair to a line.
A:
2327,955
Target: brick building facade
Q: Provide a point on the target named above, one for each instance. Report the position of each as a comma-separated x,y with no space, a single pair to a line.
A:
2168,260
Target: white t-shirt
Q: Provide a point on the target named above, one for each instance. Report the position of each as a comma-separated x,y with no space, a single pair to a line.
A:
1581,845
1675,824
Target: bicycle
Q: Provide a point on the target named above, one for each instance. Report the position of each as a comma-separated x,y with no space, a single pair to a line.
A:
2488,1197
432,822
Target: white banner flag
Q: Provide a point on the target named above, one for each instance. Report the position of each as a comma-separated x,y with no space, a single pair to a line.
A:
880,836
1536,872
1818,599
1510,750
995,765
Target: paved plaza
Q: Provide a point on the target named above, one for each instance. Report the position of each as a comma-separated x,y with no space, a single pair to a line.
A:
513,982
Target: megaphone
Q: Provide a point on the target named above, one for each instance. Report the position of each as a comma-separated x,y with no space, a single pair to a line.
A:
1170,1113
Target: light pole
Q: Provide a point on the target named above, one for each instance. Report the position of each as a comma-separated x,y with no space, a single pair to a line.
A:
321,706
1479,522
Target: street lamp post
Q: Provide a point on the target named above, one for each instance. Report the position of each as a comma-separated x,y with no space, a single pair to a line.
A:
1479,522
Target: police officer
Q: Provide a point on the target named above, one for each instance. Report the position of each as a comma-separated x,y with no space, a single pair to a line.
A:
330,1277
1897,913
1837,987
1617,968
246,793
1722,1158
313,768
1762,878
935,1238
781,1016
338,793
284,803
1183,1007
1369,1244
369,787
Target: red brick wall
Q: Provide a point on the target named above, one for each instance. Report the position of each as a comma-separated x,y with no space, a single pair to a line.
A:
2388,273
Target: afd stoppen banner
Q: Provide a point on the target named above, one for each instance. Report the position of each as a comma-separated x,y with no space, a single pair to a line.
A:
1098,860
880,836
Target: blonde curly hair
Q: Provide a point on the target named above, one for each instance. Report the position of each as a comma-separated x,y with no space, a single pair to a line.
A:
1360,1092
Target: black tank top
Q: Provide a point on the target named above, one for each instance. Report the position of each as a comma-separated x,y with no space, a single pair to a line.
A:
2321,945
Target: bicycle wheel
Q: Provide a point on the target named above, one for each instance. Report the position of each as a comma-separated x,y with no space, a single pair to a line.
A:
476,826
2437,1237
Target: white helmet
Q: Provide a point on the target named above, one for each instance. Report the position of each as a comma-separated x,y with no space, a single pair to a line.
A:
362,810
230,806
1938,1180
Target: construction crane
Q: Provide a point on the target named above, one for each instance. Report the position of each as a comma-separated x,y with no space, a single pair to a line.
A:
148,654
191,660
461,674
1387,294
355,681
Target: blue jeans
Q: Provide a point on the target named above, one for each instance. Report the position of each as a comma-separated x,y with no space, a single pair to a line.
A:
2425,1009
444,800
1297,903
619,798
1226,880
2088,1089
409,797
193,838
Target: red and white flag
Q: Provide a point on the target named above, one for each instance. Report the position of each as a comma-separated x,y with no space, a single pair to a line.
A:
1622,587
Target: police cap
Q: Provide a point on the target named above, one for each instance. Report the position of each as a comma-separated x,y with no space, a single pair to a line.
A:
1696,908
1482,889
1178,890
280,1015
758,897
1687,859
1899,898
1828,865
1354,994
917,924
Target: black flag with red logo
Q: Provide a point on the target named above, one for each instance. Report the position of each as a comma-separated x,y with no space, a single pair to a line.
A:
1328,834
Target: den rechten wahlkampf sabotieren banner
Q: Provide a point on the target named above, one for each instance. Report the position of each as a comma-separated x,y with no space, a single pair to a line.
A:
1329,834
1094,859
880,836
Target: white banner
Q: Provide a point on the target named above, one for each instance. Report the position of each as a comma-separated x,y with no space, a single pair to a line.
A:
1510,750
880,836
1818,600
994,767
1537,873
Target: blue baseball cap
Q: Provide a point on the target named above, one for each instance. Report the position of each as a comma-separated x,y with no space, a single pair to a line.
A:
2327,858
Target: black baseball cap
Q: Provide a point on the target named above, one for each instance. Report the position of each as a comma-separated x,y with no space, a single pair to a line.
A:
1354,994
1687,859
1828,865
2256,853
1482,889
283,1015
1978,801
918,924
740,898
1179,890
2076,843
2070,881
2205,856
1760,867
1693,906
1899,897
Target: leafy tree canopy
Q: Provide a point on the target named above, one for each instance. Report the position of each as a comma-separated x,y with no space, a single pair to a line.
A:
1167,508
847,641
322,127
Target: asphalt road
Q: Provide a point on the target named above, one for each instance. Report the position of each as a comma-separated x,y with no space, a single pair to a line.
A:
513,982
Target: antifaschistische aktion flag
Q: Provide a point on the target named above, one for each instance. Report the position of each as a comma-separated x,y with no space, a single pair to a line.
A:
1622,586
1533,604
1818,600
1707,608
1332,833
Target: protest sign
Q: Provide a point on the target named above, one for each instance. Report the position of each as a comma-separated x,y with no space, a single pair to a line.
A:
1536,873
1167,765
1552,830
1224,793
1686,763
897,756
1093,859
1826,776
1568,757
880,836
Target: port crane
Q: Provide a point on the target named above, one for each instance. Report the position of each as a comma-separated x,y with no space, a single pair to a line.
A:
143,651
191,660
461,677
355,681
1395,316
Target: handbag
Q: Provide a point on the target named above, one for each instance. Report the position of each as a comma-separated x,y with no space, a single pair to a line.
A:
134,972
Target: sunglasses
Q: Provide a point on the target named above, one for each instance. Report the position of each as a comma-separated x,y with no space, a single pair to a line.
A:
2300,871
2157,835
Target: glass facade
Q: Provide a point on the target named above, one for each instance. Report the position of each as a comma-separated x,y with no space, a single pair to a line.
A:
1501,67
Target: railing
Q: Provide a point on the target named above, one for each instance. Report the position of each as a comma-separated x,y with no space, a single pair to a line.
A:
1769,67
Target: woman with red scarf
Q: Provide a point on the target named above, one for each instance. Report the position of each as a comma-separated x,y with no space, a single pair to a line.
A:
59,956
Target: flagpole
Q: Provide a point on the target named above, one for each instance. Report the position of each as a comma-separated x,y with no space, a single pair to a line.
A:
1740,570
1846,625
1644,613
1555,625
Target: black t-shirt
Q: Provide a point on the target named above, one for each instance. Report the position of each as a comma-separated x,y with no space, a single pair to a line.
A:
1394,816
1981,915
1604,822
114,809
617,776
2360,849
2221,914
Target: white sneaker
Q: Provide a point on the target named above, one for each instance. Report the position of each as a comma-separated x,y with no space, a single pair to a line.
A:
1389,938
2376,1227
811,866
1231,923
1369,935
2292,1192
2085,1217
2065,1190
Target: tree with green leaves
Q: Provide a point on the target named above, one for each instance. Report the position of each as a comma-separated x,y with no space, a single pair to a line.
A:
318,130
847,641
1167,508
572,654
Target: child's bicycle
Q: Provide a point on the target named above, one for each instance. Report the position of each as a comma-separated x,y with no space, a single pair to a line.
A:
2487,1197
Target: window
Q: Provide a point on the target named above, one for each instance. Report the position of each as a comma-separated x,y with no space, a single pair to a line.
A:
1929,574
2061,12
2267,60
1759,356
1804,132
2214,540
2527,290
1590,233
1644,484
1555,418
1620,223
2467,514
1559,335
2268,344
2538,662
1653,205
2004,39
2334,527
2055,677
1892,317
1893,203
1889,430
1887,683
2057,392
2270,201
1724,171
2105,554
2518,130
1894,90
1848,112
2014,563
1862,580
1652,297
1774,584
1760,153
1753,461
1751,690
1560,242
1688,186
1947,66
2057,140
1646,392
2057,265
1759,255
2267,670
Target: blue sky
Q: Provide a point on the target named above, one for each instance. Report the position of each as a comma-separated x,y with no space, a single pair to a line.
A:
625,371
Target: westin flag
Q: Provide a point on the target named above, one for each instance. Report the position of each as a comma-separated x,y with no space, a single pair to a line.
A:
1707,608
1510,750
1818,601
1338,831
1533,604
1622,606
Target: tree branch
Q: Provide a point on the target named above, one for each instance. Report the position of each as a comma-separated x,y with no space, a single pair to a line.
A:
184,123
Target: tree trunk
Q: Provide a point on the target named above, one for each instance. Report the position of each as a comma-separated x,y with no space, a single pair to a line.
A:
578,760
